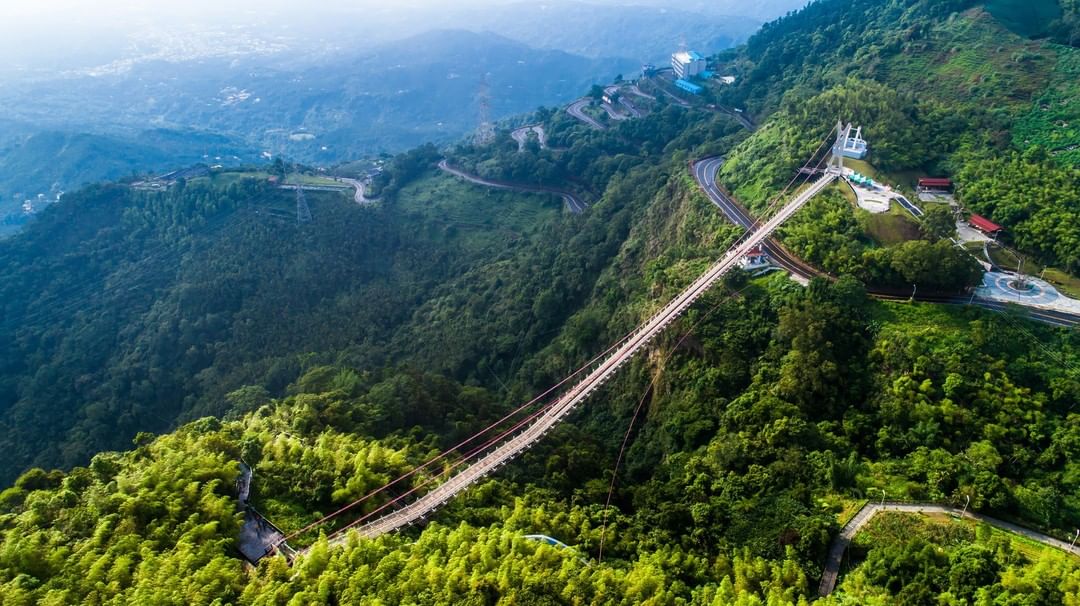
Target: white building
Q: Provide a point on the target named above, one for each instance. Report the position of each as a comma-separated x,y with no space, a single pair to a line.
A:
687,64
855,146
755,259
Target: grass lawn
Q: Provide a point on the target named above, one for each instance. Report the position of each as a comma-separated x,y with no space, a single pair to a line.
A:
944,530
887,229
1066,283
891,228
314,180
1031,549
908,317
1008,259
850,508
864,168
845,507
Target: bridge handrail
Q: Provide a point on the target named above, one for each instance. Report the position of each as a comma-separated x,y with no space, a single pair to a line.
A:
500,454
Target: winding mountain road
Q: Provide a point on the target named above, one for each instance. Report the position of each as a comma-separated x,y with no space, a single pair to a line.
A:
704,172
577,110
521,135
630,107
610,109
573,203
359,185
867,513
633,88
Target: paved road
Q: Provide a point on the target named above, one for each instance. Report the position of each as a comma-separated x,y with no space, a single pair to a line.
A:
521,135
633,88
577,110
612,112
416,510
867,513
610,109
661,84
630,107
909,206
294,187
573,203
705,175
740,117
359,185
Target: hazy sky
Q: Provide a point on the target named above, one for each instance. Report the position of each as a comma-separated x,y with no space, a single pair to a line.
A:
89,12
39,36
62,34
98,13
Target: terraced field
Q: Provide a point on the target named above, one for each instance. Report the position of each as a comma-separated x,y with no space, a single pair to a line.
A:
1054,119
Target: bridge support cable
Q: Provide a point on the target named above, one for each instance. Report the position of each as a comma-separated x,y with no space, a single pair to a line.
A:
537,424
466,441
641,403
446,472
805,172
421,507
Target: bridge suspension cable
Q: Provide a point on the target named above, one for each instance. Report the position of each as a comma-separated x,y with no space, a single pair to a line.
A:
463,443
543,419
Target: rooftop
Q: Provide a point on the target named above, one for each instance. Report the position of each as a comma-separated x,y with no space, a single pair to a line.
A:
687,57
688,86
982,223
935,182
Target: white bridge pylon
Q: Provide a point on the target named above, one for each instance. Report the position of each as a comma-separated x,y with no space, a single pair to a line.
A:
499,455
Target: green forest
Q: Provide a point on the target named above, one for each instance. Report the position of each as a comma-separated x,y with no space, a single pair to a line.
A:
151,341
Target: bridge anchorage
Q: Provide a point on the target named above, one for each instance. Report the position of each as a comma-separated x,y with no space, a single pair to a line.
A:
493,447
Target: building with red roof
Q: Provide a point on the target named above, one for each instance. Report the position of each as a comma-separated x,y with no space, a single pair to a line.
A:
755,258
935,184
984,225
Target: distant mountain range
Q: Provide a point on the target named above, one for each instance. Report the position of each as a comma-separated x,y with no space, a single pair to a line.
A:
401,94
330,99
49,162
641,33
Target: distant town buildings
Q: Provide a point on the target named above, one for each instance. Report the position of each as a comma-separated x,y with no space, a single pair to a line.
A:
649,70
687,64
35,205
728,80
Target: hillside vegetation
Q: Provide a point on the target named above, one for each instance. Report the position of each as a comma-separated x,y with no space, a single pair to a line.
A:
939,88
158,305
335,355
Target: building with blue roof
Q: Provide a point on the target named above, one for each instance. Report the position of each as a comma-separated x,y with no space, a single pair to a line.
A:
688,86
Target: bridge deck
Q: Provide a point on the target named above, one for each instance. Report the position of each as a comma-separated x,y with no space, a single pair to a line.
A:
421,507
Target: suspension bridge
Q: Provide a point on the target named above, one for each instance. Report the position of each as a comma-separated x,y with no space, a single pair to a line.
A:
495,446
